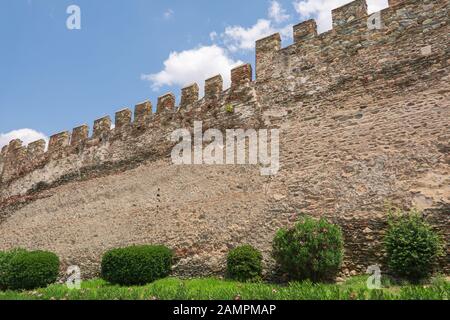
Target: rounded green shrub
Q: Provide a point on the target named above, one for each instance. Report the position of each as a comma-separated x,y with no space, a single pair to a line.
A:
244,264
5,258
412,246
136,265
310,250
26,270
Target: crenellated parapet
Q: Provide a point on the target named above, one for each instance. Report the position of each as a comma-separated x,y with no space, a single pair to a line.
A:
17,160
314,64
360,48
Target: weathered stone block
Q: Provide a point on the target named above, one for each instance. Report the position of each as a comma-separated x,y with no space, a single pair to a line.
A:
79,135
58,141
102,126
393,3
14,144
349,12
266,50
142,112
123,118
213,87
4,150
2,160
36,149
189,95
268,44
241,75
166,103
305,30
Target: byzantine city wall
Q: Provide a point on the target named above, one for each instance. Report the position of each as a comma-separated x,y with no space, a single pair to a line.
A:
363,112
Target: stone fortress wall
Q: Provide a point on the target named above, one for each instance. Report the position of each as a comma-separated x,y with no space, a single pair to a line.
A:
364,119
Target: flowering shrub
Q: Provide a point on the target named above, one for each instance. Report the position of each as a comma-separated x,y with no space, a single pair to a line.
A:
310,250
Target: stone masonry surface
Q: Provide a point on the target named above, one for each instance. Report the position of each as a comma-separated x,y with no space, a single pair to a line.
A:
363,115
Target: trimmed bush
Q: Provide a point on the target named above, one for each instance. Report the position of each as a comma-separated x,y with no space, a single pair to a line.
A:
412,246
310,250
5,258
244,264
136,265
26,270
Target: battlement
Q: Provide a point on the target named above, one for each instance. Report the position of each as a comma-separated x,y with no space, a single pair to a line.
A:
266,50
350,12
17,160
346,19
123,118
305,31
292,71
58,142
362,112
189,95
349,21
79,135
142,112
213,87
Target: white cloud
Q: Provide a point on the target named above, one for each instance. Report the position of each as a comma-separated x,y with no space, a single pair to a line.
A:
321,10
237,38
213,35
196,65
168,14
26,135
277,12
240,38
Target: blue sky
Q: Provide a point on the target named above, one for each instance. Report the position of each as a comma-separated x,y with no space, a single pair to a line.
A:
53,79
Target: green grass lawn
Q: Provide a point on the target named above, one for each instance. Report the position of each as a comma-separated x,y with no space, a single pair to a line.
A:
216,289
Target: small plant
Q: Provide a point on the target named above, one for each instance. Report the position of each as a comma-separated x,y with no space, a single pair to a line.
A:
136,265
310,250
244,264
229,108
412,246
27,270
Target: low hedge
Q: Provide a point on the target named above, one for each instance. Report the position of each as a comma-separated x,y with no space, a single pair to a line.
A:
244,264
26,270
136,265
5,258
